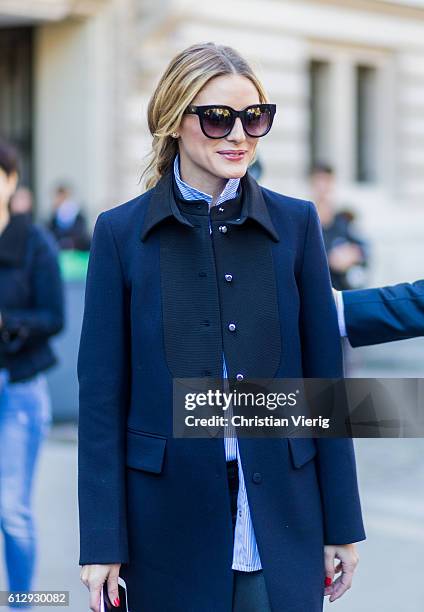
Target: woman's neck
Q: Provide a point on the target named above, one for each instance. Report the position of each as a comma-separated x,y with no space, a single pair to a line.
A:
205,182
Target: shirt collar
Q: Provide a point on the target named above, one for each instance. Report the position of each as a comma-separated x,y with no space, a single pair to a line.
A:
191,193
162,205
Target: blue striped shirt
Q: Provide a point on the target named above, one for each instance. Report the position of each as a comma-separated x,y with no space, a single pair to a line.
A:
245,553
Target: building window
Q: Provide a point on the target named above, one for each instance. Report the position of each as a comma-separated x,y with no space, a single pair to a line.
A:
351,112
319,108
16,94
366,123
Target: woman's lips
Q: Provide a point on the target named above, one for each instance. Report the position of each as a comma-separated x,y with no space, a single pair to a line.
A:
232,155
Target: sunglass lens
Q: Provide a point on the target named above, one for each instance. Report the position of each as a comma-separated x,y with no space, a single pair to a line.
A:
258,121
217,122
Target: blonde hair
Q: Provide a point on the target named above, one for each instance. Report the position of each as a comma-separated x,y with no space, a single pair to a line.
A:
185,76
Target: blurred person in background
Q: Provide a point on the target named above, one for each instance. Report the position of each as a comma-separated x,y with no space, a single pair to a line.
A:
21,202
347,253
67,222
31,311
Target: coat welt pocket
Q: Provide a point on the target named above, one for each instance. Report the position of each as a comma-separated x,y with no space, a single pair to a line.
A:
145,452
302,450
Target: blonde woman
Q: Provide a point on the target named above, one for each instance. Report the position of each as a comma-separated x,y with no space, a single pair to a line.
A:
208,274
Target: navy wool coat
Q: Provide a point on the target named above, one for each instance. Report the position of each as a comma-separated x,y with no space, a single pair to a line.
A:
157,306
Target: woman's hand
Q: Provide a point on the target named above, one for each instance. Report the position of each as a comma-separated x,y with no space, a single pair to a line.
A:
349,559
93,576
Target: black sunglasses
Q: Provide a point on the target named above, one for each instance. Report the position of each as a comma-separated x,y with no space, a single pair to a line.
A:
217,121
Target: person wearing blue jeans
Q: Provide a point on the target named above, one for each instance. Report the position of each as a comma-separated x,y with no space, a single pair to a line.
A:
25,416
31,310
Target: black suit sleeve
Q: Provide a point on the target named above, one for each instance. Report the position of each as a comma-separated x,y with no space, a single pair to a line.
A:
385,314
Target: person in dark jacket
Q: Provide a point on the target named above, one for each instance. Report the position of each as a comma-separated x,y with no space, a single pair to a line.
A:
31,311
381,314
67,222
347,253
208,274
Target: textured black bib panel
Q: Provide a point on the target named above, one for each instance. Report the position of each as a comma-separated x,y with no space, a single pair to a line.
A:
249,301
190,301
198,303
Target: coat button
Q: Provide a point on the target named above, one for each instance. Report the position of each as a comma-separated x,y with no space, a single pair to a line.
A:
257,477
220,209
239,376
232,327
223,229
228,278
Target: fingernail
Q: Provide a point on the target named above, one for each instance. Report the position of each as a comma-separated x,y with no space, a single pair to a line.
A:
116,602
327,581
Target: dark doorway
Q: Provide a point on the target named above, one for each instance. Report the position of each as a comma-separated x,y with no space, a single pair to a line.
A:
16,59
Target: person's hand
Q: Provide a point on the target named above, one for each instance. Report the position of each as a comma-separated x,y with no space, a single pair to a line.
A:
344,256
93,576
349,559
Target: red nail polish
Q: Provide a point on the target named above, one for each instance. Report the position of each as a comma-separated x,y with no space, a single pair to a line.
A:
327,581
116,602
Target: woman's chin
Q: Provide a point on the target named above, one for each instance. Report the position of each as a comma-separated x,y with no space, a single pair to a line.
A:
230,169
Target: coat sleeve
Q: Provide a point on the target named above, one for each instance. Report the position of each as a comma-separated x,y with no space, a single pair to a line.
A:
103,375
322,358
385,314
45,317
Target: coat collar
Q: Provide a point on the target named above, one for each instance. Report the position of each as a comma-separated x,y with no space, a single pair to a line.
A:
13,240
162,205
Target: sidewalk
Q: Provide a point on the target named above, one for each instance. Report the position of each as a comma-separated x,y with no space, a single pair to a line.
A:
55,500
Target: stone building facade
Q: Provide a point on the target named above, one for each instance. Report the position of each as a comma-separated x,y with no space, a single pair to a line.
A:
347,76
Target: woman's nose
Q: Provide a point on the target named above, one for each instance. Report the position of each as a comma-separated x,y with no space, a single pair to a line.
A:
237,133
